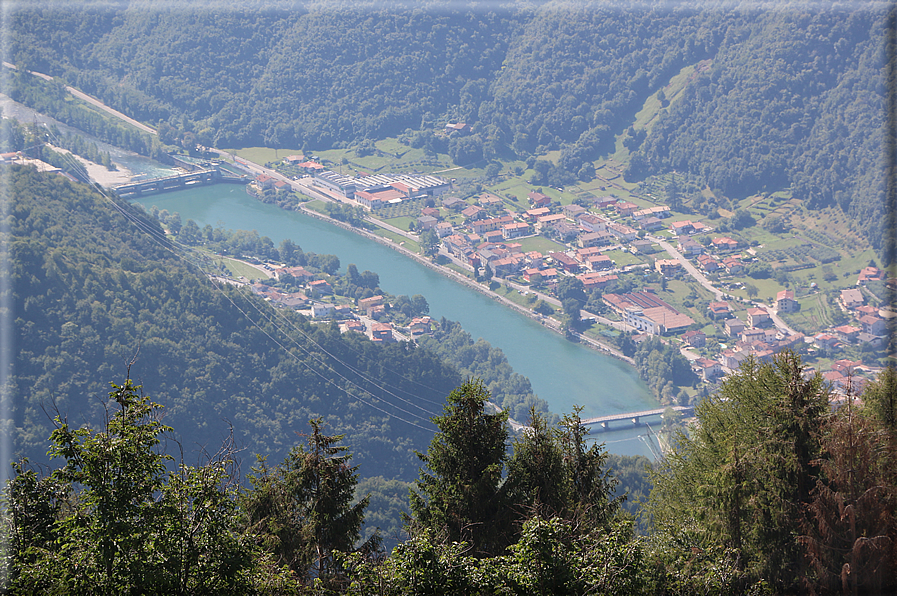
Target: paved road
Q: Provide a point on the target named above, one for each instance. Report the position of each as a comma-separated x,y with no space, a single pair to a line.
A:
91,100
777,320
692,270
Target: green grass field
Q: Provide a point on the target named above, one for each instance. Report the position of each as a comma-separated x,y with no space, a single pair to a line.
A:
239,269
541,244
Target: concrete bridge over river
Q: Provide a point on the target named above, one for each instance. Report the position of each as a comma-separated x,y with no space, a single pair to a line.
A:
178,182
634,418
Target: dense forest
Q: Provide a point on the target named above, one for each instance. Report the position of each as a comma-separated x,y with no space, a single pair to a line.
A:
787,98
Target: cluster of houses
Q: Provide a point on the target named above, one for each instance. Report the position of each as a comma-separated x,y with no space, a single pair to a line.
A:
368,317
868,324
488,239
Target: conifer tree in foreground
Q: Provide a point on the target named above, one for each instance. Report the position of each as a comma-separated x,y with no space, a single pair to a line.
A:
114,520
460,497
302,511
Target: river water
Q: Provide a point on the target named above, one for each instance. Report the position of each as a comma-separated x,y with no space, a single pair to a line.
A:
562,373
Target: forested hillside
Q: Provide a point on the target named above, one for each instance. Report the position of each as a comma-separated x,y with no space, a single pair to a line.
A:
791,97
94,293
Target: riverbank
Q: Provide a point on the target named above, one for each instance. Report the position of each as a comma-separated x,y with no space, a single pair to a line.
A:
546,322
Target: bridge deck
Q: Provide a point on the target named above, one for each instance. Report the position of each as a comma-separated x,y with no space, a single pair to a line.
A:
631,415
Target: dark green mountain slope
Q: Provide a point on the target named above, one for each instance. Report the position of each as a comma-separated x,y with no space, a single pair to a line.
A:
92,292
794,98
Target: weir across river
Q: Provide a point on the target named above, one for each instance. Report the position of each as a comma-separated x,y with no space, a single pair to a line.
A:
178,182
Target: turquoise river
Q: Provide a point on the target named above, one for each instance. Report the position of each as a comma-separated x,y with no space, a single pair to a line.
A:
562,373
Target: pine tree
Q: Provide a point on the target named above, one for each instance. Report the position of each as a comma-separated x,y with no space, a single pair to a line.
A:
460,497
742,480
113,520
302,511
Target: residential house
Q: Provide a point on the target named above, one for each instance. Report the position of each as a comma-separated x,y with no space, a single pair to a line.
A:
420,325
456,127
353,325
549,275
573,210
454,203
734,326
549,220
625,209
598,262
532,275
506,265
874,341
870,274
724,243
487,225
732,359
667,267
651,224
590,281
444,229
366,304
659,211
426,222
321,286
592,223
487,200
682,228
758,317
642,247
566,263
382,332
695,338
733,266
473,213
494,236
690,248
847,333
708,369
590,239
607,202
708,263
827,341
785,302
534,214
873,325
537,199
852,298
298,273
719,310
455,244
566,232
321,309
265,181
515,230
753,335
622,232
431,211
